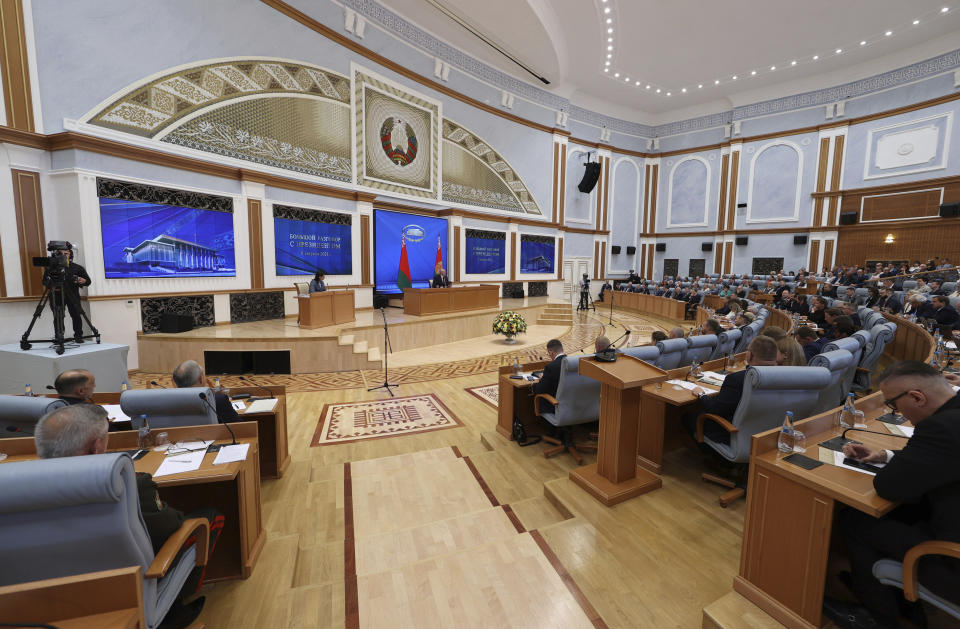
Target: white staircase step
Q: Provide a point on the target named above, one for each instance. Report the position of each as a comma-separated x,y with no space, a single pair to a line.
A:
345,339
373,354
360,347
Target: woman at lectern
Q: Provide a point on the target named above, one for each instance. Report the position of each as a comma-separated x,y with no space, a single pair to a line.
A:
317,284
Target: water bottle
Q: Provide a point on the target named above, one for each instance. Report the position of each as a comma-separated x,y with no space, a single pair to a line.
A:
848,415
216,384
935,361
785,440
516,366
124,386
28,391
144,438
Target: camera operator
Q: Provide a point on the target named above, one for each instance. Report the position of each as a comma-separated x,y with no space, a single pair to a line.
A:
584,293
74,277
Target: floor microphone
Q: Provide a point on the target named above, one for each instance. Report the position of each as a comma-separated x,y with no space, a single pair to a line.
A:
157,384
270,394
203,396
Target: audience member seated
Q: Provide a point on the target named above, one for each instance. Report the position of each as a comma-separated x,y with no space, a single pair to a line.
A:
936,287
888,301
789,353
711,326
550,379
600,344
440,278
676,333
850,310
841,329
773,331
604,288
657,336
693,300
188,374
818,311
918,306
810,342
762,351
850,296
829,320
925,479
943,313
317,285
922,286
75,386
81,429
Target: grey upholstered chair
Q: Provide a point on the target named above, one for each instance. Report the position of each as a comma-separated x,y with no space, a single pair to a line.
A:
768,393
838,362
854,345
747,333
726,343
69,516
167,408
577,402
699,349
646,353
904,575
909,285
671,353
19,414
880,335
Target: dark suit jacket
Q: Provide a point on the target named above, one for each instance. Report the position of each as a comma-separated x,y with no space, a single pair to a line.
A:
440,281
799,307
926,471
725,402
891,303
225,412
817,316
812,349
946,315
161,519
549,382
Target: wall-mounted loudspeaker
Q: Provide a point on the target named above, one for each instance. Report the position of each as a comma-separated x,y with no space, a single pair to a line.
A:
949,209
591,173
615,249
661,246
741,240
706,246
848,218
800,240
631,251
741,205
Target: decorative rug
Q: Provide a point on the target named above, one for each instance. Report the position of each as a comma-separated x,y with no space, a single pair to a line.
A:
357,421
489,394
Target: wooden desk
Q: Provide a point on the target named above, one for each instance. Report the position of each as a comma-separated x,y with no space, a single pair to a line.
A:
424,301
330,307
911,342
232,488
615,476
714,302
650,304
789,518
760,297
271,430
516,399
660,411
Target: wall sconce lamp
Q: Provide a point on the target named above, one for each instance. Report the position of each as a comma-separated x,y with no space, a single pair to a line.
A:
888,240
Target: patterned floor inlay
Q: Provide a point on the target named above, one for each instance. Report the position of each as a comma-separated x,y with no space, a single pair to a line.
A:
489,394
343,423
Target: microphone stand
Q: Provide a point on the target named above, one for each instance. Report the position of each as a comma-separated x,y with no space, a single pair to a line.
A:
157,384
270,394
203,396
386,346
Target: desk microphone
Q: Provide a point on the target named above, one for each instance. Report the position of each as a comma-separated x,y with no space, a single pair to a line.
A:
872,432
203,396
157,384
270,394
19,430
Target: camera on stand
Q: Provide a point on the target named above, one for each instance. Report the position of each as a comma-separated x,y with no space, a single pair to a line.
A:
56,263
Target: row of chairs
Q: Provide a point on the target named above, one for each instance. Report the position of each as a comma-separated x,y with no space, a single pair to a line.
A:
164,408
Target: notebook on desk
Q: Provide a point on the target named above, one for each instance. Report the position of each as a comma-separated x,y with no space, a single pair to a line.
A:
262,406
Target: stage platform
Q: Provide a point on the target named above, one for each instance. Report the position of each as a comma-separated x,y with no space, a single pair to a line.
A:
349,346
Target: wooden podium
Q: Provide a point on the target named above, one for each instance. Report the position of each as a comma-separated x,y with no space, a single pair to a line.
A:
615,476
330,307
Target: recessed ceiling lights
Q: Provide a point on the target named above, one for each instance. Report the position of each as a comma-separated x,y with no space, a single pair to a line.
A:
627,79
668,93
609,30
863,43
915,22
838,50
617,74
609,39
888,33
753,72
607,62
734,77
647,87
609,47
609,55
944,9
772,68
609,21
606,10
716,82
700,87
658,90
606,69
684,90
793,63
815,57
638,83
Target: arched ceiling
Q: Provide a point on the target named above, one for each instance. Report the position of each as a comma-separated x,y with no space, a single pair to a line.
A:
682,44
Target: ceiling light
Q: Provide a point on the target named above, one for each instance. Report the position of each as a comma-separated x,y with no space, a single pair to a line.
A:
609,39
772,68
753,72
638,82
658,90
684,90
607,10
647,87
609,30
815,57
700,87
609,55
793,63
606,62
606,69
889,239
609,21
888,33
603,1
734,77
668,93
863,43
716,82
838,50
609,47
944,9
627,79
915,22
617,74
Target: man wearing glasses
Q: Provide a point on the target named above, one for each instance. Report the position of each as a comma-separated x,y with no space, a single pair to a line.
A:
925,478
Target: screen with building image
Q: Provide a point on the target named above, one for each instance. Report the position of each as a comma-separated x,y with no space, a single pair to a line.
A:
536,253
155,240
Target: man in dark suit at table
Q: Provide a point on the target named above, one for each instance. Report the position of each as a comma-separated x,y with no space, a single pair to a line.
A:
188,374
440,279
925,478
762,352
550,379
889,302
943,313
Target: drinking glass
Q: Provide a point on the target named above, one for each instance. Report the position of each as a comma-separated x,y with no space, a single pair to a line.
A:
799,441
161,442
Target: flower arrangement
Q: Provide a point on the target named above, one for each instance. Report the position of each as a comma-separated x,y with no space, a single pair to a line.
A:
509,324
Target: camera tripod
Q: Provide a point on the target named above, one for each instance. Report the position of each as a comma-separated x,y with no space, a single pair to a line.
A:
54,292
586,301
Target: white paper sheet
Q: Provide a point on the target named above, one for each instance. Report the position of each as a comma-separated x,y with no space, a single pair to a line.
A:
713,375
238,405
179,463
115,413
689,386
181,446
838,458
906,431
229,454
262,406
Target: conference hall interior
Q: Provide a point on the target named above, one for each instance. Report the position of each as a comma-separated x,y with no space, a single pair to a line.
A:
438,313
